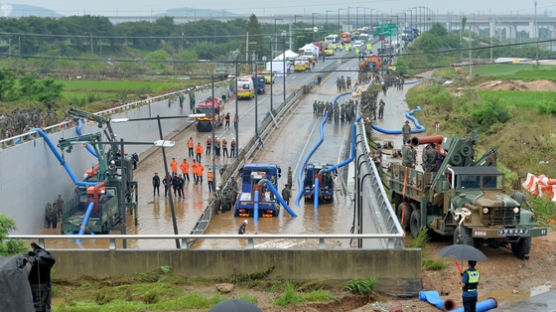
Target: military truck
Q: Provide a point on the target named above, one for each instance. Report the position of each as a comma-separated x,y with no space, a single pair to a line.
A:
464,199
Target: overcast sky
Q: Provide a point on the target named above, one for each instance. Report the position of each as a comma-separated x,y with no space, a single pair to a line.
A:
269,7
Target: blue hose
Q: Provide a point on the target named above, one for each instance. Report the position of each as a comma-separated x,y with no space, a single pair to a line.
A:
256,208
280,199
482,306
316,195
88,146
408,115
433,298
61,160
350,159
85,220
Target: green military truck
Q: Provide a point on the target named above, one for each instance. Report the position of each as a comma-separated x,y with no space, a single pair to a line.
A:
464,198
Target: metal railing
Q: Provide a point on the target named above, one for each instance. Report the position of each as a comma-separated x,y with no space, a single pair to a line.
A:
186,238
371,196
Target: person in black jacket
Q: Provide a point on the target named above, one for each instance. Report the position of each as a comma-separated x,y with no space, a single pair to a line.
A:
175,185
167,181
156,184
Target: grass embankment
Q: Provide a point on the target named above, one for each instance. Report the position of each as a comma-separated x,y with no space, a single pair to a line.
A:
521,128
161,290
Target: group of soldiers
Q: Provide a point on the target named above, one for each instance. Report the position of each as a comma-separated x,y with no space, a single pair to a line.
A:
320,108
369,105
343,84
22,120
225,200
53,212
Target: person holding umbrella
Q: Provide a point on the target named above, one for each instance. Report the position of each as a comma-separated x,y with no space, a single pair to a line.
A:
469,283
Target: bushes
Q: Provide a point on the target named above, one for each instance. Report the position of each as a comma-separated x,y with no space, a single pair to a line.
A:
492,111
361,287
12,246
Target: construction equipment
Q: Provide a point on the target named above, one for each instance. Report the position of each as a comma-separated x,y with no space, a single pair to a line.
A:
207,107
315,171
464,198
96,208
253,182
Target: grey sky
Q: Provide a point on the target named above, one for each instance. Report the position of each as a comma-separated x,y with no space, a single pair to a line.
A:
269,7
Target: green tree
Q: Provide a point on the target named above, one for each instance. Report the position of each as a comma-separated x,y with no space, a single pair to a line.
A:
256,39
7,85
463,22
9,246
158,55
48,91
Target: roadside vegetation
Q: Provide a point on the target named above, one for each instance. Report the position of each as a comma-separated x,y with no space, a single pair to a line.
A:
429,262
9,247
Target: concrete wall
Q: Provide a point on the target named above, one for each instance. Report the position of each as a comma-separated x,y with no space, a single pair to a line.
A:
30,175
395,269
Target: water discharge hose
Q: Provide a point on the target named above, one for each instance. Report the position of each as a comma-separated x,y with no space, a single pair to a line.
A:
88,146
316,195
61,159
86,219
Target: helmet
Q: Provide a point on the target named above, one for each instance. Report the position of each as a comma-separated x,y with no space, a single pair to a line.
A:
217,188
245,221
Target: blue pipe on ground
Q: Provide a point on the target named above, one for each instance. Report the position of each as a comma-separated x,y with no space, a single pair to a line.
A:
280,199
316,195
350,159
61,160
88,146
482,306
256,208
86,219
408,115
433,298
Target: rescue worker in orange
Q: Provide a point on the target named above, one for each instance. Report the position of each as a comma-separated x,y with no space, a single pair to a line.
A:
174,166
225,148
210,180
190,145
200,170
236,119
233,146
227,118
209,144
198,152
184,166
194,166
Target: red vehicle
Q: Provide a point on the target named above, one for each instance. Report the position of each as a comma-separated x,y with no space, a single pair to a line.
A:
345,37
205,123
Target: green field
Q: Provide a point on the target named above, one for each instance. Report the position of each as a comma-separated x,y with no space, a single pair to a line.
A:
522,99
118,85
525,72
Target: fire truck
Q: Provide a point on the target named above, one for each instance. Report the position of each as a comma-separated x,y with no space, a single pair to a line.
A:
205,123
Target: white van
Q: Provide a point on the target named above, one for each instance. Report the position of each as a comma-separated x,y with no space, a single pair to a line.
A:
332,38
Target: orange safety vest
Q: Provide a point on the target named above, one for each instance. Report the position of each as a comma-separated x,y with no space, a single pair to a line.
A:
227,117
233,144
224,144
184,167
190,144
209,143
200,169
217,142
194,166
209,176
235,118
199,149
174,165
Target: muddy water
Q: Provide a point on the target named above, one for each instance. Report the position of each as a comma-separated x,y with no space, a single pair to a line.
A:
154,215
297,135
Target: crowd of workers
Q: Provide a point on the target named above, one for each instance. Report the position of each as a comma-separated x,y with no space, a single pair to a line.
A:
22,120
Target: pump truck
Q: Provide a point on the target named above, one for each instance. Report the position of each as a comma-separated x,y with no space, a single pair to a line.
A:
326,182
253,178
464,198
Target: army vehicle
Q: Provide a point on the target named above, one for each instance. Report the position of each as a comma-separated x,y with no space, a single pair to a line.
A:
464,199
326,183
100,205
252,183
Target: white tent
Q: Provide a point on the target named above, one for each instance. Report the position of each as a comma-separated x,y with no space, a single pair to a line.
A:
278,66
290,55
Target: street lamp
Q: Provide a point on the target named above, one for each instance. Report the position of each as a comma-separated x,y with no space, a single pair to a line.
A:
284,62
339,24
313,24
326,23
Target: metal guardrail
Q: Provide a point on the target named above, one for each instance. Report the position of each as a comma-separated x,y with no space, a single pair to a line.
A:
24,137
372,196
186,238
264,130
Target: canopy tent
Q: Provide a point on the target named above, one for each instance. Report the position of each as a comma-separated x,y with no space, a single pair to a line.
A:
290,55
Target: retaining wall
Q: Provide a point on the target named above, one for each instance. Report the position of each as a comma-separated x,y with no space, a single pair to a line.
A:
397,270
30,175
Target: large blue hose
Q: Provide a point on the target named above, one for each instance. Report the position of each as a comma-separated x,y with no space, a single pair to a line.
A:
86,219
299,182
256,208
408,115
350,159
280,199
482,306
316,195
88,146
61,160
433,298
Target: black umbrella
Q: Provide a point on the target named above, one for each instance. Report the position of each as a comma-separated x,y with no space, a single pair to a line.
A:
235,305
462,252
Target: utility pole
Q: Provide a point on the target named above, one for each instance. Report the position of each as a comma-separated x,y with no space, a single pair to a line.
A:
213,126
271,74
247,47
284,61
122,196
535,30
91,36
236,124
470,60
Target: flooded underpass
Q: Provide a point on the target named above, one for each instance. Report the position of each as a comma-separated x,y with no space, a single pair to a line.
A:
287,147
